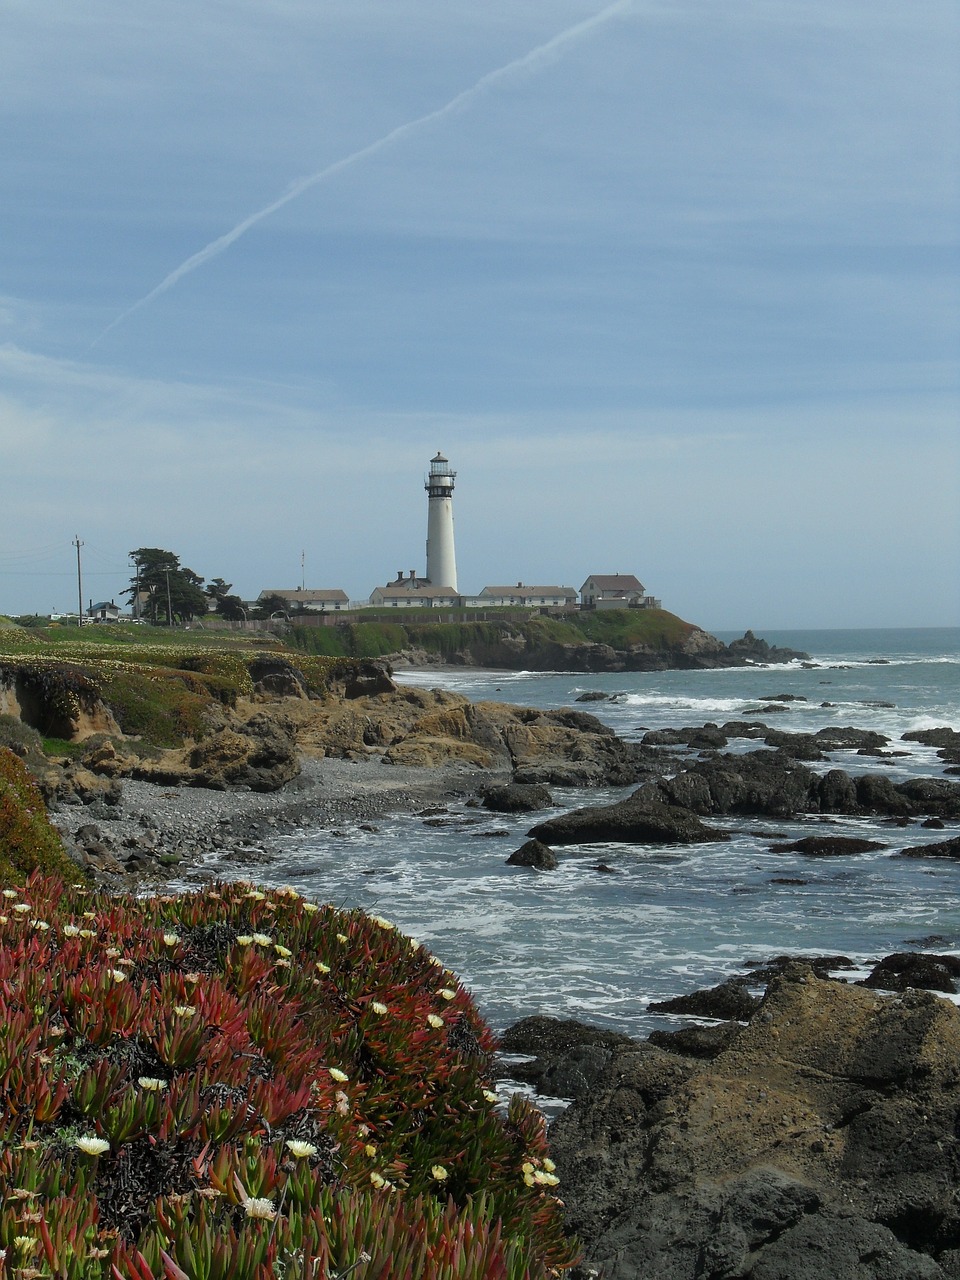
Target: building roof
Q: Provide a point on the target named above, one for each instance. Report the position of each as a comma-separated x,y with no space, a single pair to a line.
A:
418,587
522,589
308,595
615,582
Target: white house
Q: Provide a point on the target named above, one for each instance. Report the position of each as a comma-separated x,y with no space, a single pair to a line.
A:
525,597
313,601
411,592
615,591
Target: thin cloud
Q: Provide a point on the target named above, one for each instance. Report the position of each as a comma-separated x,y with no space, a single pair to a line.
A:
527,64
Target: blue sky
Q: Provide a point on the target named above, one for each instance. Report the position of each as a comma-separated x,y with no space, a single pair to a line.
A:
674,286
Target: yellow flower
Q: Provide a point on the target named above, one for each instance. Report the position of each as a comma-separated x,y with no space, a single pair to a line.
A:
384,924
263,939
527,1167
528,1179
440,1173
378,1179
341,1077
256,895
184,1010
490,1095
377,1007
322,968
342,937
546,1179
70,930
435,1020
549,1166
446,993
310,907
370,1150
152,1084
244,940
282,951
88,933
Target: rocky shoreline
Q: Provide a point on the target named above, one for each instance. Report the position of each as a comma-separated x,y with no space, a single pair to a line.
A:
145,832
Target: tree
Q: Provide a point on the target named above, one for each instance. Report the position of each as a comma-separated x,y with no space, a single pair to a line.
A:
166,592
231,608
270,605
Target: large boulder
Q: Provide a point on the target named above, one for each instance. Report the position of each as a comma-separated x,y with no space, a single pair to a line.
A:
262,758
632,821
821,1144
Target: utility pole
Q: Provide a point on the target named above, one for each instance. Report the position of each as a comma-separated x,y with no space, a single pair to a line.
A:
78,544
303,576
169,609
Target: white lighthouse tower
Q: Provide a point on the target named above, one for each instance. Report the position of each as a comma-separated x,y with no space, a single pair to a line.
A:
441,556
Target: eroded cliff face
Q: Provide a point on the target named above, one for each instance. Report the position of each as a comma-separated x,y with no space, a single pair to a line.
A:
821,1144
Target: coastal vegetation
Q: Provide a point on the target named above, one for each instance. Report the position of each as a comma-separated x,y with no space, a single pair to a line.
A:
654,630
239,1083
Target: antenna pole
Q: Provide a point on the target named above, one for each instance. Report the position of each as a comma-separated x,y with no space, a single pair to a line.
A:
78,544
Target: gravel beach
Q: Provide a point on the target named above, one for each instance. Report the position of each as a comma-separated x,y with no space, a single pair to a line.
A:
155,830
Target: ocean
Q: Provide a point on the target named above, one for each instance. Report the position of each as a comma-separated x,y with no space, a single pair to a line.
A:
578,943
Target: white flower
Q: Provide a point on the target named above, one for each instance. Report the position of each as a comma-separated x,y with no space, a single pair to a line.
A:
446,993
10,893
377,1007
301,1149
118,975
384,924
378,1179
171,939
310,907
184,1010
244,939
91,1145
340,1076
435,1020
342,937
259,1207
256,895
152,1084
70,930
21,907
40,924
440,1173
263,939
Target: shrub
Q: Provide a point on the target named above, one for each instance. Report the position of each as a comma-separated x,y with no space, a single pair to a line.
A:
27,840
242,1084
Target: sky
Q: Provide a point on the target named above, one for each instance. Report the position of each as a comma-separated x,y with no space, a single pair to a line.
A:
672,283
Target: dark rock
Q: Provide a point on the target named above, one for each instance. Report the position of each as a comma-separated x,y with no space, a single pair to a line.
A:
541,1036
828,846
630,822
516,797
697,1042
762,972
819,1145
592,695
940,849
534,854
908,969
729,1000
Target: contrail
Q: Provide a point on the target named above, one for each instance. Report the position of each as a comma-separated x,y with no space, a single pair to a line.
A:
529,61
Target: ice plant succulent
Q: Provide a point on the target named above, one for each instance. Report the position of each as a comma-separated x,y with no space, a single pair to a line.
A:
206,1134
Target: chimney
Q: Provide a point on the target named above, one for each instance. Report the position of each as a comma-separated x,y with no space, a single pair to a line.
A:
413,574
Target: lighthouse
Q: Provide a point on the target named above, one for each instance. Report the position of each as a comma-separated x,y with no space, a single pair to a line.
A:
441,556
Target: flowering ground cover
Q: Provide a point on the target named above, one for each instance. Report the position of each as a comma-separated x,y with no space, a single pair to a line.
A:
239,1083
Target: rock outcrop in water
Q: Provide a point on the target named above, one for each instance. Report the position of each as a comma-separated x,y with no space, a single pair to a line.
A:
817,1142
